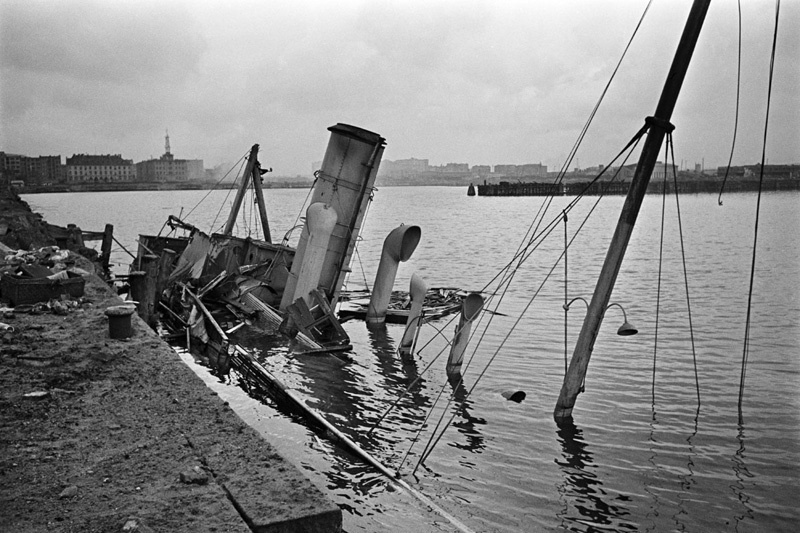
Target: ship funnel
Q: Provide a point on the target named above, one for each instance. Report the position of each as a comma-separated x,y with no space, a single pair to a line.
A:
345,181
398,246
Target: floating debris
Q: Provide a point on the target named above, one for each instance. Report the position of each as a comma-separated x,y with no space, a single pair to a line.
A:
439,302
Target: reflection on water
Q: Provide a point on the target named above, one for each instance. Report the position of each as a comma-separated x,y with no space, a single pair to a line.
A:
582,489
661,455
468,425
399,372
742,475
687,479
655,501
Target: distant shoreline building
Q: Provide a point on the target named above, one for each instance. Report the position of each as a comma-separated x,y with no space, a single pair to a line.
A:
85,168
403,167
420,172
34,170
43,171
168,169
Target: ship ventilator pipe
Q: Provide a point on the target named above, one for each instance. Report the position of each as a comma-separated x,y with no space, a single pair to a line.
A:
398,246
417,289
471,306
320,221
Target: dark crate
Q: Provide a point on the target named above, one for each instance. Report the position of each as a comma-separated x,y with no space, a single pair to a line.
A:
30,291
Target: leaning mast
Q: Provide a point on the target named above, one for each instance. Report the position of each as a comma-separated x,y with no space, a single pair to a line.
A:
251,172
659,125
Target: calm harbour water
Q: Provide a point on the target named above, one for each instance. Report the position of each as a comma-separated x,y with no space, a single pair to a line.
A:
641,455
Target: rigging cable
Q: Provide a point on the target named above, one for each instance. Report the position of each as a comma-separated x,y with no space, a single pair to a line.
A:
358,241
523,252
746,348
303,207
566,293
216,184
241,163
573,152
439,395
400,396
433,441
579,141
658,289
671,148
507,280
285,241
251,226
246,213
736,120
361,266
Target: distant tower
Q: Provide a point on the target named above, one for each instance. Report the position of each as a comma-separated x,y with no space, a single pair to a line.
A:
166,144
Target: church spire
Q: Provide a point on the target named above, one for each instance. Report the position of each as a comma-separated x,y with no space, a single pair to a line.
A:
166,144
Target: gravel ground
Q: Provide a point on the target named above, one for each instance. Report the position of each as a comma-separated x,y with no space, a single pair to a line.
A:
99,434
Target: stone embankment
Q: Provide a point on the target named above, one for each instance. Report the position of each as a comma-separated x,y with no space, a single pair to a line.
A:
103,435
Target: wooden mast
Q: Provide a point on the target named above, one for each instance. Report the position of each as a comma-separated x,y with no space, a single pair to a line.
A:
250,172
659,126
262,208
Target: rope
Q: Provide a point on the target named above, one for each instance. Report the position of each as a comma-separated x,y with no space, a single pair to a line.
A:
241,163
566,294
736,120
534,237
433,442
358,241
361,266
253,225
435,402
523,253
123,247
560,176
528,250
671,148
216,184
434,438
585,129
305,201
746,348
658,289
285,241
405,391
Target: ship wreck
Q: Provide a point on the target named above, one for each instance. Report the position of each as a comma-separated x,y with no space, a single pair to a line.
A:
202,286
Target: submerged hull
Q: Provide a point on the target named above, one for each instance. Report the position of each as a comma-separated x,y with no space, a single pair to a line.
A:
291,290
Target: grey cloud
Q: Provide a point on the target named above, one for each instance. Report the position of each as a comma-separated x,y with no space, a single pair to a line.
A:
113,42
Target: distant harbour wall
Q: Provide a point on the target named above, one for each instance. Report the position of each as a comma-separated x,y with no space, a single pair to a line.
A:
528,188
619,188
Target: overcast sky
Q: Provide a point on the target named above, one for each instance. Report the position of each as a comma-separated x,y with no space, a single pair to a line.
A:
479,82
